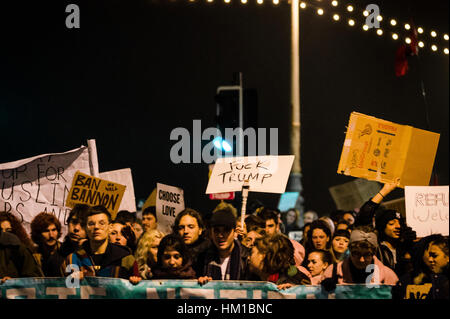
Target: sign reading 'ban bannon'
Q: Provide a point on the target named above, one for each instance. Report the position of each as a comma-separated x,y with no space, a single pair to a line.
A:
94,191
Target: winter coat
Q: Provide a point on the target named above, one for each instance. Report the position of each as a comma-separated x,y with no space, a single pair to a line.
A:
185,272
118,262
209,260
386,275
16,260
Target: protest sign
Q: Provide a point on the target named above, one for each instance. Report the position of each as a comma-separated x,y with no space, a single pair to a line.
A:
354,194
114,288
219,196
169,202
379,150
288,201
41,184
427,209
124,177
93,191
267,174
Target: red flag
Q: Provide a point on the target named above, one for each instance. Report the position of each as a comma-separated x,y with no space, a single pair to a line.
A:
404,51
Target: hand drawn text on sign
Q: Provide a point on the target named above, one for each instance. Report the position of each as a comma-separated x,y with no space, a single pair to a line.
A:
94,191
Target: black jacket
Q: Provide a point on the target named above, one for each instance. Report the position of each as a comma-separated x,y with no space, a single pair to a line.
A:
16,260
237,268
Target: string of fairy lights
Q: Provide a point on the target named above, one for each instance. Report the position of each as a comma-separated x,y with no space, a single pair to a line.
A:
355,17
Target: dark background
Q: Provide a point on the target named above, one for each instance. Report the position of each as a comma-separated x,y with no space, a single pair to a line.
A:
137,69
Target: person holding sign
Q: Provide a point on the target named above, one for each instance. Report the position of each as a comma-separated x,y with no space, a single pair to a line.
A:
100,258
366,215
227,258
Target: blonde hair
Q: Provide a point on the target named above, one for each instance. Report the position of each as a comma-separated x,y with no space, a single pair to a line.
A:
145,242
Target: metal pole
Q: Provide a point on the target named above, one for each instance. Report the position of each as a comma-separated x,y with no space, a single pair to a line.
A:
294,182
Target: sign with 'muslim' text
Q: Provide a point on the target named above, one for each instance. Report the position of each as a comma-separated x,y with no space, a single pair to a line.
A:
427,209
169,202
268,174
41,184
95,191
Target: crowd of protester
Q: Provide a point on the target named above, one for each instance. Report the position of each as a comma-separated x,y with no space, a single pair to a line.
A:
371,246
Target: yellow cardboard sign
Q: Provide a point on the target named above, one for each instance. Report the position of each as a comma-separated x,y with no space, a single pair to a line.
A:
380,150
95,191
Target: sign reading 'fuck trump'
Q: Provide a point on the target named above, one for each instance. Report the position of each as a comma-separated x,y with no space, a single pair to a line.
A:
267,174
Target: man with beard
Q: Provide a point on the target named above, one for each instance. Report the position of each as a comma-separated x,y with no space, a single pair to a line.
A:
45,232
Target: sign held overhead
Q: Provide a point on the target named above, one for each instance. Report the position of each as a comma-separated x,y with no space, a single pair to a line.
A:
267,174
379,150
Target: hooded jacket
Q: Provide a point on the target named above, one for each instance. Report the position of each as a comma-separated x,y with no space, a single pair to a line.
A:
386,275
16,260
117,262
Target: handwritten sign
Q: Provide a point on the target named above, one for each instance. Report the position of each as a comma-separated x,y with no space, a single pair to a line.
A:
380,150
41,184
169,202
124,177
95,191
267,174
427,209
219,196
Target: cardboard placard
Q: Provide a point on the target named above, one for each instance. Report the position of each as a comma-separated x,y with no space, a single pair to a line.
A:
354,194
427,209
380,150
41,184
267,174
93,191
123,177
169,202
219,196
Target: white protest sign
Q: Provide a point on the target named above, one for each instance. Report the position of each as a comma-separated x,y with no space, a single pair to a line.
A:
124,177
41,184
267,174
427,209
169,202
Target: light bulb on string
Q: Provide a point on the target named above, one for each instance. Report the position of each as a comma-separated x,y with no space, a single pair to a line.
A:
351,22
393,22
336,17
380,32
395,36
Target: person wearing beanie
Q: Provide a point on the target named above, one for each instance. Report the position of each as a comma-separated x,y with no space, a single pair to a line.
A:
227,258
362,266
339,245
395,240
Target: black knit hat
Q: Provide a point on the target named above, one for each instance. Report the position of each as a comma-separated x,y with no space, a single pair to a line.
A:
342,233
383,217
223,218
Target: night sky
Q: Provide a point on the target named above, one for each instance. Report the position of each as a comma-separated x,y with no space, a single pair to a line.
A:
135,70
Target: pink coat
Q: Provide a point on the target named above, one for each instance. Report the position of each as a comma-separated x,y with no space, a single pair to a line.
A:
299,252
386,276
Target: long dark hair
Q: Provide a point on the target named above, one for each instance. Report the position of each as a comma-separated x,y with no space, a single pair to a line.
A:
17,229
173,242
278,253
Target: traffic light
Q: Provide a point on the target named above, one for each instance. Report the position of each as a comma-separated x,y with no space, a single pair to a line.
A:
229,115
